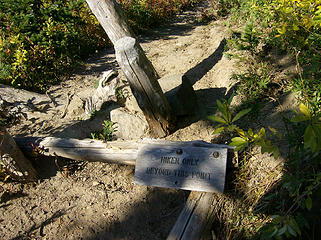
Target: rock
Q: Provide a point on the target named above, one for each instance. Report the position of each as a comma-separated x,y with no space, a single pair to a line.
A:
106,91
180,94
128,126
95,183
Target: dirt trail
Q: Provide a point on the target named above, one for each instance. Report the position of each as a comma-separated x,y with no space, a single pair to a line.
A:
100,201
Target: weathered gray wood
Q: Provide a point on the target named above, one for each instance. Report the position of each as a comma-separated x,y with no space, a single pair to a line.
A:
182,166
144,85
23,101
138,70
85,150
121,152
13,160
195,219
111,18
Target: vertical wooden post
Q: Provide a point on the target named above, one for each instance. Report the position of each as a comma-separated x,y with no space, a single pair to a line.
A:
138,70
144,85
13,160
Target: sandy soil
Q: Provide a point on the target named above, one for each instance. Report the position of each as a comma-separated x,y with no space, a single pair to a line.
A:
76,200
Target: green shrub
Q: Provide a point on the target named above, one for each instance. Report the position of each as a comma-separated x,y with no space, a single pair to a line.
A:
292,26
143,14
41,39
106,134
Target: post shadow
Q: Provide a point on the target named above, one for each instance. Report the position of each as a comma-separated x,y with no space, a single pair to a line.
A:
199,71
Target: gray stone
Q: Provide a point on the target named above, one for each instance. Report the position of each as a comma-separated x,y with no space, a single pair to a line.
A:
128,126
180,94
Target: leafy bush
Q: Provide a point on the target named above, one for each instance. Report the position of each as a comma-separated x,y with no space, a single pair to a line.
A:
142,14
292,26
106,134
40,39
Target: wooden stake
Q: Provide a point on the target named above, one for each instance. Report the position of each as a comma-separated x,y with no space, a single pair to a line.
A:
138,70
143,82
195,219
111,18
13,160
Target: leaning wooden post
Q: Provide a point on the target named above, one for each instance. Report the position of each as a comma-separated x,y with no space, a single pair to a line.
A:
138,70
144,85
110,16
13,160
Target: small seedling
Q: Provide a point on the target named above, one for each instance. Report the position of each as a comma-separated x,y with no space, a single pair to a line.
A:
106,134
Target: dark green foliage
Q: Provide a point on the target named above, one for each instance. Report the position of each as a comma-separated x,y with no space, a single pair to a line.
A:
41,39
293,27
106,134
145,14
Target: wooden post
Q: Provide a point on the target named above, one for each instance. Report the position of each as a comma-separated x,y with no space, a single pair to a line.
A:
195,219
138,70
111,18
145,87
13,160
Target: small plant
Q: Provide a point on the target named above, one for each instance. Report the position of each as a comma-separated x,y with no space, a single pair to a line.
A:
120,94
312,133
106,134
253,84
245,138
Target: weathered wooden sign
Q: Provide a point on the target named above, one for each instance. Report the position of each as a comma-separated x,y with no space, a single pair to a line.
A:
182,166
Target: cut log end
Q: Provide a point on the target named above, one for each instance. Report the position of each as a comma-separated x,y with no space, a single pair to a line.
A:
13,161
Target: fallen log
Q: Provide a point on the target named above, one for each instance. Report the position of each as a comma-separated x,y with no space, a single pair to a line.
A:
196,217
13,161
119,152
84,150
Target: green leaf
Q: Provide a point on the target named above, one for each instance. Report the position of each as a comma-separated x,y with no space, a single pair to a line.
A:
221,107
310,140
295,226
241,114
262,132
291,231
238,140
215,118
229,101
305,110
282,230
317,129
300,118
308,203
276,152
218,130
239,143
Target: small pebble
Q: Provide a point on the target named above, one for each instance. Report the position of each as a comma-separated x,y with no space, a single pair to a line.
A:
95,183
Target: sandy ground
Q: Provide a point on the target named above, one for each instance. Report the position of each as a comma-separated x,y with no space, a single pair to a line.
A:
76,200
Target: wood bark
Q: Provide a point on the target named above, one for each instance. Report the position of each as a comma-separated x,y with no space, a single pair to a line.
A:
111,18
144,85
13,161
196,218
120,152
137,68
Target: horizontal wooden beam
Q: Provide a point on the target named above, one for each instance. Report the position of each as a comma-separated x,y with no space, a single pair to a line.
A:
119,152
196,217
